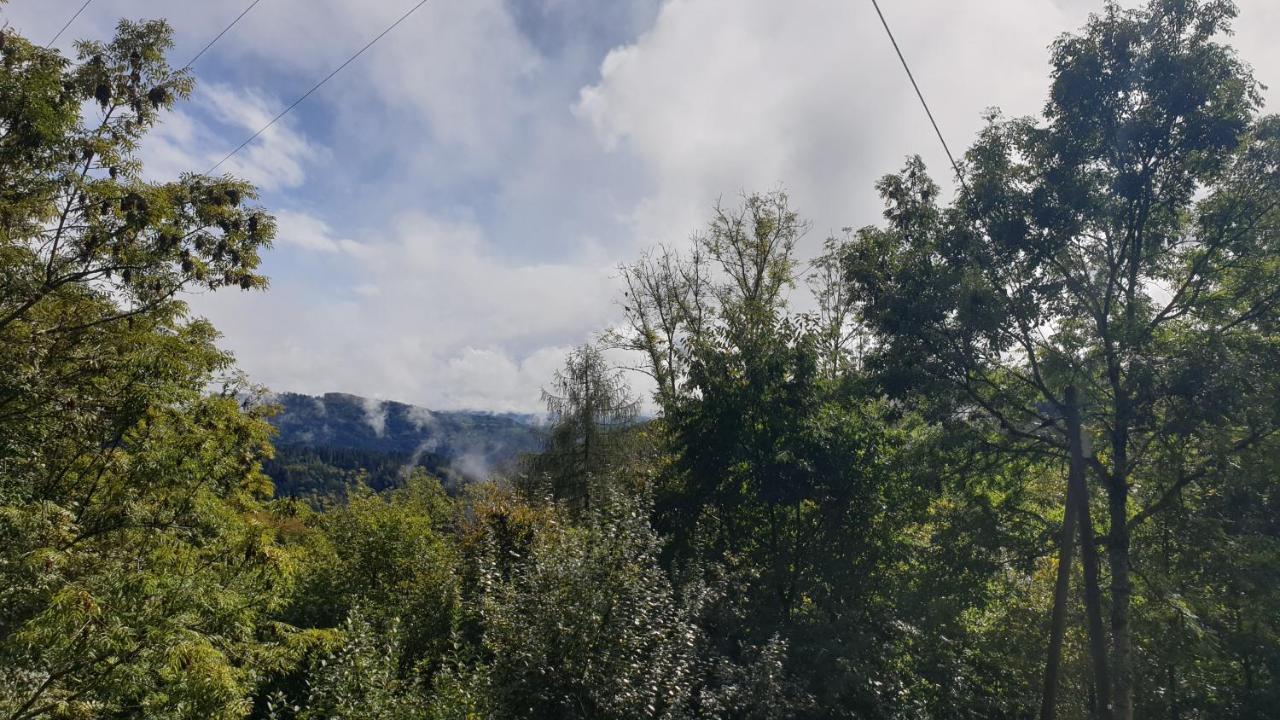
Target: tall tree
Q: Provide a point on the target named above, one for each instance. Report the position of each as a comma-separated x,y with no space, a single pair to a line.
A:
1124,244
591,412
666,305
136,569
779,481
841,342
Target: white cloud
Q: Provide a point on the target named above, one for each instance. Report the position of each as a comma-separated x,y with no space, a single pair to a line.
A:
721,96
311,233
437,317
464,69
475,375
451,206
375,415
194,137
274,159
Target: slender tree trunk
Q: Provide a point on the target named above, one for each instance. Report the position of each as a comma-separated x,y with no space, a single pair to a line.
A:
1088,558
1171,669
1118,489
589,428
1121,592
1105,707
1118,548
1058,621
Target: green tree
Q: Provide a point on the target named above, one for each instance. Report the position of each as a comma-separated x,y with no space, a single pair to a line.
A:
665,304
362,680
592,416
1125,245
782,481
137,570
391,556
841,343
580,620
1208,641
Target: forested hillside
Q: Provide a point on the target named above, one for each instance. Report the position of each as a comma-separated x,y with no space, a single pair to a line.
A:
1020,460
327,444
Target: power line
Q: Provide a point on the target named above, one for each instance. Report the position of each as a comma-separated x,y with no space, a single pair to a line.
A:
317,86
914,84
68,24
218,37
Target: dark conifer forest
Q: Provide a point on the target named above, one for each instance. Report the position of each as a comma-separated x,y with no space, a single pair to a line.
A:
1019,460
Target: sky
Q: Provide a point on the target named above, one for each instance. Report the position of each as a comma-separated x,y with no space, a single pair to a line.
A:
453,206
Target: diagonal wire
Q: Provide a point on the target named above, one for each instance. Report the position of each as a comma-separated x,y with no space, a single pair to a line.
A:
914,84
218,37
68,24
317,86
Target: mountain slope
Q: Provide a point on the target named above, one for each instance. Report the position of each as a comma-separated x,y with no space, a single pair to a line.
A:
325,443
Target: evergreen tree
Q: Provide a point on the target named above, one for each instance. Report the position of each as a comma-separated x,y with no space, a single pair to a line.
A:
591,414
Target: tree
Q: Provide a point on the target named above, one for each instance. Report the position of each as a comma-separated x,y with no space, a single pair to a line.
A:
391,557
665,305
733,280
137,572
591,415
841,343
579,620
362,680
781,481
1122,245
76,215
1210,642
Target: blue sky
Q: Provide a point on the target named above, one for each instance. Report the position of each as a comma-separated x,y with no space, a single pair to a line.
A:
453,205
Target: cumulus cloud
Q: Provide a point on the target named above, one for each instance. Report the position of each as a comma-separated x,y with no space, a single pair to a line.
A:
452,324
451,207
722,95
471,94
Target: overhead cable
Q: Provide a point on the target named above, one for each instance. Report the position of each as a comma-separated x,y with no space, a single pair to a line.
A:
317,86
67,24
954,165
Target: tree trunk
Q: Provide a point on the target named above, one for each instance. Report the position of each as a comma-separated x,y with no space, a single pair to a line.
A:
1121,592
1118,548
1058,622
1088,558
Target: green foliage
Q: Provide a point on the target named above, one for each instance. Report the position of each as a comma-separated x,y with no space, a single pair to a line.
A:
77,219
592,417
146,583
137,572
579,621
783,479
1209,634
390,555
1120,246
378,591
362,680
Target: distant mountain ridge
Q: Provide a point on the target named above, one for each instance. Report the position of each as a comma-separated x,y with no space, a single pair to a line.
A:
325,443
